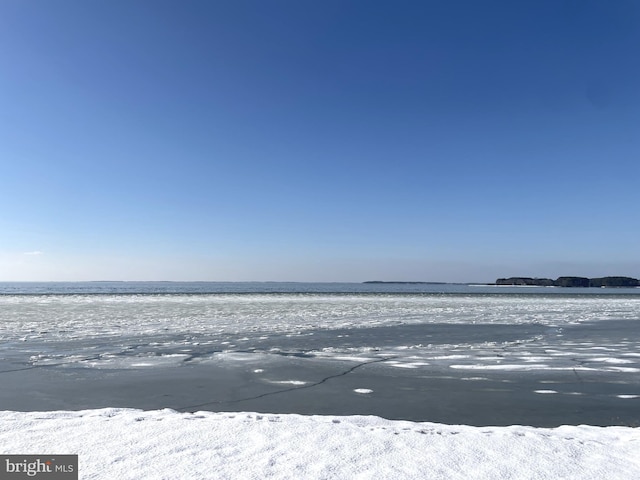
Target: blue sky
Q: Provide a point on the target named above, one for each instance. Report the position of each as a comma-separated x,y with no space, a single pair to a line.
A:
318,140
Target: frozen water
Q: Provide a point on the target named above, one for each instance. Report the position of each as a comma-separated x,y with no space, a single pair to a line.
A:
587,343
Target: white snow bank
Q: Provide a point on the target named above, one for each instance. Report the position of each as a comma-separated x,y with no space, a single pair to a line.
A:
134,444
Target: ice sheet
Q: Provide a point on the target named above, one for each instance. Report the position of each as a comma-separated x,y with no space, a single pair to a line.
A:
428,344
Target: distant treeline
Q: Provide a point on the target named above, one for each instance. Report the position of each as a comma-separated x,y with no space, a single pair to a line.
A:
571,282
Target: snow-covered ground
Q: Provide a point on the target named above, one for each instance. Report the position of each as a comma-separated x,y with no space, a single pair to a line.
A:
164,444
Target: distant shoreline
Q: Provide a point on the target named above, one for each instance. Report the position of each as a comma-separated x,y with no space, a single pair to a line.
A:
410,283
570,281
566,281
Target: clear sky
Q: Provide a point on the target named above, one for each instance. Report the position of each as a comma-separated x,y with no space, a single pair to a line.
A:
319,140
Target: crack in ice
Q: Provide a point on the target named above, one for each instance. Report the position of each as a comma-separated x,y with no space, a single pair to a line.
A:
277,392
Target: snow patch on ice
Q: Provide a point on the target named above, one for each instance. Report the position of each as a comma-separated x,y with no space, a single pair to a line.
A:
448,357
118,362
610,360
500,367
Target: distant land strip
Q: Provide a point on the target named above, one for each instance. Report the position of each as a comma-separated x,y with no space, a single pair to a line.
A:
571,282
406,283
605,282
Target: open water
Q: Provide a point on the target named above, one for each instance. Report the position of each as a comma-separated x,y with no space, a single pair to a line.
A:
477,355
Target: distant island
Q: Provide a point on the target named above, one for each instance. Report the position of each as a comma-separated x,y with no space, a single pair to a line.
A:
406,283
600,282
571,282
